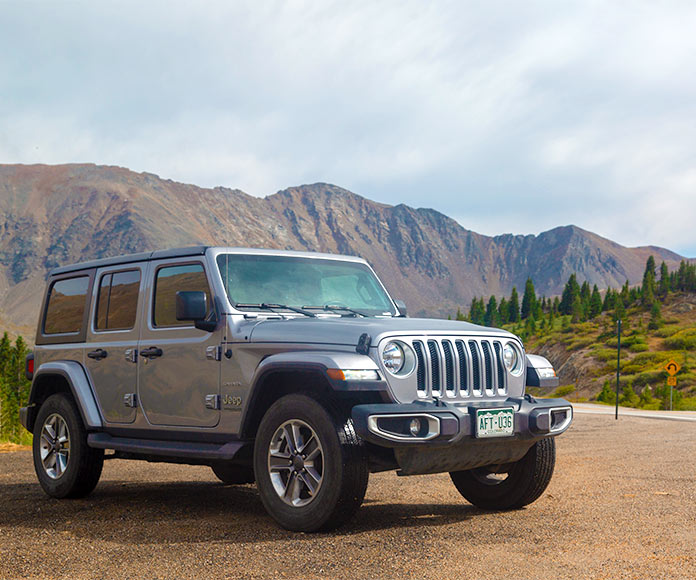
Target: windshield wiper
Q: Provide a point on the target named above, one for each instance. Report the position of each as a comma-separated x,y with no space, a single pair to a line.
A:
274,307
337,308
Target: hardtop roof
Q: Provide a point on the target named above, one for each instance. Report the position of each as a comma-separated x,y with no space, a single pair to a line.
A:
183,252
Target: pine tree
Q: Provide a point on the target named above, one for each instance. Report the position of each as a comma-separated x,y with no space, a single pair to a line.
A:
664,286
514,306
529,300
649,288
595,302
655,316
626,295
477,311
609,300
570,291
503,311
491,316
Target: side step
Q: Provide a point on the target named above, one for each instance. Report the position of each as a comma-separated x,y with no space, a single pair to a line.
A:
180,449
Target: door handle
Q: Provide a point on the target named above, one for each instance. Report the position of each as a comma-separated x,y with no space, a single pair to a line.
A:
98,354
152,352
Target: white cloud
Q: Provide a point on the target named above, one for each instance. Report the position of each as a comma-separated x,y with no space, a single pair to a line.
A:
508,116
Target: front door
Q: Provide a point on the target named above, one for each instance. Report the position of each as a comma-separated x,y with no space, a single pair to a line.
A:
112,336
178,366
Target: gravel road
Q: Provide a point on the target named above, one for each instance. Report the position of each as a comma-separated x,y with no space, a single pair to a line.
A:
622,504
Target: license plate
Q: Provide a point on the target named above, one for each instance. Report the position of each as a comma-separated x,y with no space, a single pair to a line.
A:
495,422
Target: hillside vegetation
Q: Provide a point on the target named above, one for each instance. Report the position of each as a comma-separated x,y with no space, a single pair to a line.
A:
578,334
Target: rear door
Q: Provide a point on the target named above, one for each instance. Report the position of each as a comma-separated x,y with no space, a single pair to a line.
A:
178,364
112,336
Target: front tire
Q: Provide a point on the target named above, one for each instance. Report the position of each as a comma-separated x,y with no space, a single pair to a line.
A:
509,487
311,469
65,465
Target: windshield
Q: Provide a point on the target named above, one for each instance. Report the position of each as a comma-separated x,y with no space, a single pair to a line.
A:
302,282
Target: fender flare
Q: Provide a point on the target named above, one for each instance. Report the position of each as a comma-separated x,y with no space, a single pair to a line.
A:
80,387
316,362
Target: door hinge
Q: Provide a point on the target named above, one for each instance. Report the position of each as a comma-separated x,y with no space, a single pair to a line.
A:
132,355
130,399
214,352
212,402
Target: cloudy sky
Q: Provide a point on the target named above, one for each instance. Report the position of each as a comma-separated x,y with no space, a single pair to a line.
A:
508,116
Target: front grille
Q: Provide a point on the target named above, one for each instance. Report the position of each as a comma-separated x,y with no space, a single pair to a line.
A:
457,368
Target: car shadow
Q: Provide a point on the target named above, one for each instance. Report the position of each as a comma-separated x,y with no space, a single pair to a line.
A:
181,512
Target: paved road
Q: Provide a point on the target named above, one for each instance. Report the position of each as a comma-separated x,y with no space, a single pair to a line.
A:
596,409
622,504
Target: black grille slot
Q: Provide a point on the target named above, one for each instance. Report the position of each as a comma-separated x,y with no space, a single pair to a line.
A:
449,365
499,365
463,384
475,366
420,370
434,364
488,361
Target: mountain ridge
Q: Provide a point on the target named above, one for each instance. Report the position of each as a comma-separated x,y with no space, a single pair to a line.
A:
59,214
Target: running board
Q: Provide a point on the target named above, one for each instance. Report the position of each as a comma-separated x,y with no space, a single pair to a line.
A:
180,449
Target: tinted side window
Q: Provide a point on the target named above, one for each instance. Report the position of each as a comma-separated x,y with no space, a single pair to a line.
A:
169,281
117,301
66,305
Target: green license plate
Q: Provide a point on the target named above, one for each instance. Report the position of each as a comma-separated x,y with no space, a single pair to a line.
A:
495,422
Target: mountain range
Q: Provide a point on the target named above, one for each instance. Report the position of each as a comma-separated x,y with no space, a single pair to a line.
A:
59,214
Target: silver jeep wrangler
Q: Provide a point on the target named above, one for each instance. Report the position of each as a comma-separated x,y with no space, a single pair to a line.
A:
295,370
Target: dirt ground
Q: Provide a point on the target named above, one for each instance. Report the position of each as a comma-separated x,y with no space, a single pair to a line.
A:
622,504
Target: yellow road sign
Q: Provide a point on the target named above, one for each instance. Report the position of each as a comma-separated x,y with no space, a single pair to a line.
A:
672,367
671,381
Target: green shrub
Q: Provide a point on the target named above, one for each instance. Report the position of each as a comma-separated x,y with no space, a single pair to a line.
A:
604,354
682,340
563,390
607,395
638,347
628,397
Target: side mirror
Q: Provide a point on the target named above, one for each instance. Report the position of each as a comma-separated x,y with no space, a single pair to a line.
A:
191,305
401,305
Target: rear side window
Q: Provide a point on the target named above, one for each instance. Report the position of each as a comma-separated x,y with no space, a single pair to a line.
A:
117,301
66,306
169,281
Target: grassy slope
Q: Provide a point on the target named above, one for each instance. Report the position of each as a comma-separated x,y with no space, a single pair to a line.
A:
584,354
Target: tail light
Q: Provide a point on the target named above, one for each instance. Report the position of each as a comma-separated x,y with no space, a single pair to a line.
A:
29,366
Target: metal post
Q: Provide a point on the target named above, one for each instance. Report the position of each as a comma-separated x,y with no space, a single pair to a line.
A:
671,388
618,365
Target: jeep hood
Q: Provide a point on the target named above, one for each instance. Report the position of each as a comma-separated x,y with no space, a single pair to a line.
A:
347,331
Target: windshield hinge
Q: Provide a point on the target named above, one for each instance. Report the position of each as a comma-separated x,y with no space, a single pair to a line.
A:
364,343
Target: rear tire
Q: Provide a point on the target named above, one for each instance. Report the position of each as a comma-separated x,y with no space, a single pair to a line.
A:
233,474
311,469
65,465
525,482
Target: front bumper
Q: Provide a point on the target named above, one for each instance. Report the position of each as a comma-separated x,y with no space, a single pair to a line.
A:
448,439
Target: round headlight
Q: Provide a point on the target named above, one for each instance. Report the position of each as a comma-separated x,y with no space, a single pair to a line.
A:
393,357
510,357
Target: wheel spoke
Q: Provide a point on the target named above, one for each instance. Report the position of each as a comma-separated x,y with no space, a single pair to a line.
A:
60,465
49,461
290,486
311,440
277,462
313,475
309,483
313,454
50,429
290,440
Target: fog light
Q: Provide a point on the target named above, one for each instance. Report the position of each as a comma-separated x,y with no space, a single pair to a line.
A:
415,426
